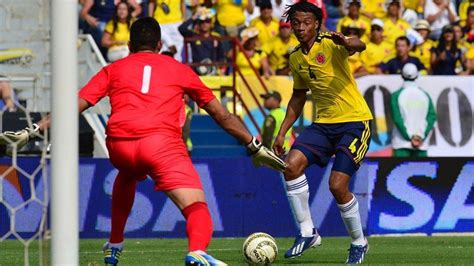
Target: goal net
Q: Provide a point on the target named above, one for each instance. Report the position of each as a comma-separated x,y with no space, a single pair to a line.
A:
24,183
24,198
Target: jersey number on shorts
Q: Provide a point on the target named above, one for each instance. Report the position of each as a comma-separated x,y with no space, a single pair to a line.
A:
146,79
353,147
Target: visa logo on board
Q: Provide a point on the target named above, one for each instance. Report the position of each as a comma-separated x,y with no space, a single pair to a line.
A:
438,211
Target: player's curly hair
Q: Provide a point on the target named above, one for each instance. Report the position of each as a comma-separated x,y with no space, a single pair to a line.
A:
145,33
304,6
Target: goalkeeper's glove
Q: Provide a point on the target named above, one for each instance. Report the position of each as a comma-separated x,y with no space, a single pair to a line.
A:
261,156
20,137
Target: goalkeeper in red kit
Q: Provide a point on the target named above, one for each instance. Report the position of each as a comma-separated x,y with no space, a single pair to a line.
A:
144,136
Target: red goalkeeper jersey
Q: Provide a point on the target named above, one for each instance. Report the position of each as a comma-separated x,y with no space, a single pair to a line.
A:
146,94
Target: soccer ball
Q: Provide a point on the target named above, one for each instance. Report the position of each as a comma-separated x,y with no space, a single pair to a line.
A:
260,248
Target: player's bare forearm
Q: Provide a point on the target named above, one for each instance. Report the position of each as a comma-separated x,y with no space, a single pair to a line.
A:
354,44
267,131
82,105
295,107
229,122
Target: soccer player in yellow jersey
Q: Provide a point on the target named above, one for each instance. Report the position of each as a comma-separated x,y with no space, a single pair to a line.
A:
341,127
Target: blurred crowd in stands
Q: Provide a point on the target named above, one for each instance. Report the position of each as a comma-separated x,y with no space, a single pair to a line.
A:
436,35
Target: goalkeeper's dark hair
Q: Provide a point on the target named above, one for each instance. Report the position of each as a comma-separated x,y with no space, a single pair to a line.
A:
145,33
304,6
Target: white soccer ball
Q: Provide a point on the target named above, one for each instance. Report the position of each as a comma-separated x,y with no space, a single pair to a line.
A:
260,248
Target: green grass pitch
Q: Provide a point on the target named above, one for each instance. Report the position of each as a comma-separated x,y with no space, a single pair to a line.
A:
383,251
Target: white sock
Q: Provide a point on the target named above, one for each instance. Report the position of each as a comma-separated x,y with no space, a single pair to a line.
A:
298,195
351,217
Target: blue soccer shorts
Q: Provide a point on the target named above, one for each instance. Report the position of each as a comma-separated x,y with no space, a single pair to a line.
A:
348,141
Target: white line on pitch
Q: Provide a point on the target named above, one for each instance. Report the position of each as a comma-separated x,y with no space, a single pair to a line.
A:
162,251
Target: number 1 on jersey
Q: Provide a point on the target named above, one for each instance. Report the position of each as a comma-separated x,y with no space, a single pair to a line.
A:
146,79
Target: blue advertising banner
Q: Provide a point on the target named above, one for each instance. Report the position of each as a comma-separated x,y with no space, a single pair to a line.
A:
395,196
423,196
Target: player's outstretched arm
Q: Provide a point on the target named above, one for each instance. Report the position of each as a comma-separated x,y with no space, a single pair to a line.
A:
227,121
352,44
293,111
261,156
22,137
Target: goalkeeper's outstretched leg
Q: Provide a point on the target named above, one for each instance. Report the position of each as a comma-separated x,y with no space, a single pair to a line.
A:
123,196
191,202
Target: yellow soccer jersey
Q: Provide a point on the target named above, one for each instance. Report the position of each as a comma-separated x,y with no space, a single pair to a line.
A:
465,4
266,32
278,51
394,30
355,62
415,5
325,71
244,65
375,54
230,14
423,52
175,15
412,4
122,32
374,7
470,53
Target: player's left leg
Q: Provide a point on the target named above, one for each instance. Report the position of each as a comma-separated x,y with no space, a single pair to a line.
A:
351,149
122,154
348,206
297,190
123,195
349,209
311,146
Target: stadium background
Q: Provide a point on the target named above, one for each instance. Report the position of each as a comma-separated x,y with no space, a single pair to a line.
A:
428,196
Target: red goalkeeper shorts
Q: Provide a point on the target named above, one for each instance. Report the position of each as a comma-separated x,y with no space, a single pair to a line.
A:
165,159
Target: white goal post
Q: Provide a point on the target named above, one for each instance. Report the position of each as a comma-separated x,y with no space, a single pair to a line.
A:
64,136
